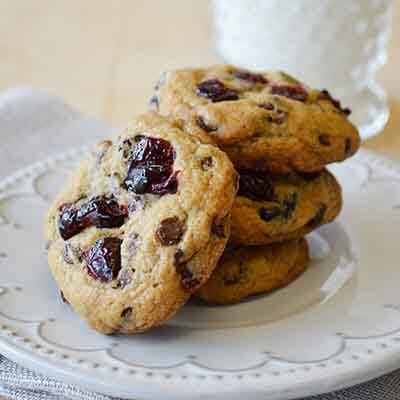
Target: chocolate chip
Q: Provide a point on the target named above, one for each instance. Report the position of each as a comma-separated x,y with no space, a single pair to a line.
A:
188,281
267,214
324,140
289,205
347,147
126,312
292,92
170,231
336,103
206,163
346,111
203,125
250,77
317,219
255,186
216,91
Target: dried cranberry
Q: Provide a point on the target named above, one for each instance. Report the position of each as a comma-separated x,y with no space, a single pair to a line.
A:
250,77
188,281
99,211
255,186
216,91
292,92
151,167
170,231
104,259
336,103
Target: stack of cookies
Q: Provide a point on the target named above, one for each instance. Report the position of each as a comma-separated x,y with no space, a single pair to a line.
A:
229,163
279,135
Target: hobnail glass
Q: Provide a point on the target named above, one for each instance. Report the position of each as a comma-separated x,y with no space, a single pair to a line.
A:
338,45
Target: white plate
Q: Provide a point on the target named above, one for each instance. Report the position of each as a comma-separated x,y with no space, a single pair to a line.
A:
335,326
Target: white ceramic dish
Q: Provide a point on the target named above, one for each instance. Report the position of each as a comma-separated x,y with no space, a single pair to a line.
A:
335,326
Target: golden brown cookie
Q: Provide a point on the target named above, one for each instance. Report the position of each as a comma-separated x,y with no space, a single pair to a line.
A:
140,225
273,208
245,271
265,121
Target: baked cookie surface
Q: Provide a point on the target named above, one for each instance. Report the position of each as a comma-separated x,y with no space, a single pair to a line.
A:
246,271
140,225
273,208
265,121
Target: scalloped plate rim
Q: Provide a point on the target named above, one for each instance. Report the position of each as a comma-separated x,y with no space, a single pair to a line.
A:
366,368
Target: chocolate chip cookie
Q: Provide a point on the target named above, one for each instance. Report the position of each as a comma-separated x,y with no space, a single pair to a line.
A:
140,225
271,208
265,121
246,271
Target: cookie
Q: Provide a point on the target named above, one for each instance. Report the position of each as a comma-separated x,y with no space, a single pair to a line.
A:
246,271
140,225
272,208
265,121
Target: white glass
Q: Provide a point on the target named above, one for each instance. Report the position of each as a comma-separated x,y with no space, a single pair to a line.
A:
338,45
